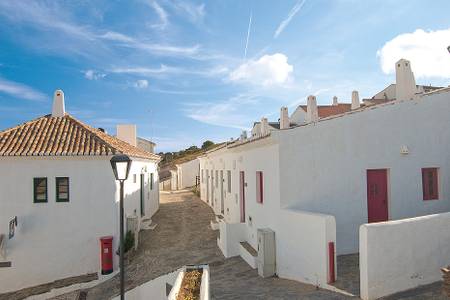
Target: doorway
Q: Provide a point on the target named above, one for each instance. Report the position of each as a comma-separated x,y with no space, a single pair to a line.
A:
242,195
377,195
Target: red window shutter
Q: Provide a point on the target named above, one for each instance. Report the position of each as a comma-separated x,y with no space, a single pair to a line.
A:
430,186
259,187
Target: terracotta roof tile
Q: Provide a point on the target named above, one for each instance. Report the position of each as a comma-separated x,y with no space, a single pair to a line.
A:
63,136
330,110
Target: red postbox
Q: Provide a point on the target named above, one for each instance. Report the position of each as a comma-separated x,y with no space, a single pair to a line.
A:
106,254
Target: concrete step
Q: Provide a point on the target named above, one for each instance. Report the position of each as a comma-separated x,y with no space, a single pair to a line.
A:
249,254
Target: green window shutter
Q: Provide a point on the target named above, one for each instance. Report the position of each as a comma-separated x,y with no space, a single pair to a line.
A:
40,190
62,189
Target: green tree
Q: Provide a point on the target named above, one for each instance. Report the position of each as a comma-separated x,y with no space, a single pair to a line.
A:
207,144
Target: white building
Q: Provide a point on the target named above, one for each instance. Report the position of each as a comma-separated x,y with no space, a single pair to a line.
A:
56,177
328,170
187,173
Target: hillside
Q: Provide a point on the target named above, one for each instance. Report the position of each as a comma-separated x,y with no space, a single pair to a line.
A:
170,159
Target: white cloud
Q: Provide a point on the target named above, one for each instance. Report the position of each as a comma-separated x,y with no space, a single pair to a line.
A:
289,17
165,70
266,71
162,14
21,91
226,113
93,75
427,51
194,13
141,84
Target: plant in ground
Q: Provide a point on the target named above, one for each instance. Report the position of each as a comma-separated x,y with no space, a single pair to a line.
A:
190,285
129,241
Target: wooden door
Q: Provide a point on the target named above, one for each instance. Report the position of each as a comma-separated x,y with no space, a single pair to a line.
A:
242,195
142,196
377,195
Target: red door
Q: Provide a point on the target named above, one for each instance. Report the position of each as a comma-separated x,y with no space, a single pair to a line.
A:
377,195
242,194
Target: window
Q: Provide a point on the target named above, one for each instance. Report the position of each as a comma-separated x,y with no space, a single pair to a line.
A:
217,178
151,181
62,189
39,189
229,180
259,187
134,178
202,176
430,186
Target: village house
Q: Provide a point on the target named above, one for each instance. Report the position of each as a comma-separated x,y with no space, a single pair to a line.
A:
317,177
180,176
59,189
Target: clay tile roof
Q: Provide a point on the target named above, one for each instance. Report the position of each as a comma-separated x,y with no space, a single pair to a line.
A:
330,110
63,136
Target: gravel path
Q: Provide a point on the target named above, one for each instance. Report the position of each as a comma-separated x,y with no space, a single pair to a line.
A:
183,236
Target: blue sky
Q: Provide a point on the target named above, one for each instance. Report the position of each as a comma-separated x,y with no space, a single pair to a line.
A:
185,71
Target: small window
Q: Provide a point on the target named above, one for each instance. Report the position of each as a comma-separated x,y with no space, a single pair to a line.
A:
229,180
134,178
202,176
430,186
40,189
151,181
259,187
62,189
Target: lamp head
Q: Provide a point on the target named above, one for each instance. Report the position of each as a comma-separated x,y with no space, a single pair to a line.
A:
121,165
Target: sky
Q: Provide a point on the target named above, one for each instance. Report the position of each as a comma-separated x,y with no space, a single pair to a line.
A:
185,71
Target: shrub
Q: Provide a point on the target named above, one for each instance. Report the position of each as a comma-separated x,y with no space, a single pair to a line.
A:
128,243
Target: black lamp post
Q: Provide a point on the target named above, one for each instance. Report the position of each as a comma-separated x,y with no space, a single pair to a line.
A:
121,167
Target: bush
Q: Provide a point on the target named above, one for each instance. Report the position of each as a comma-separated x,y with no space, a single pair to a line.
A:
128,243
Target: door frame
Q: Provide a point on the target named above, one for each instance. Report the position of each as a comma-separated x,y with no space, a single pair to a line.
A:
222,204
142,205
387,177
242,196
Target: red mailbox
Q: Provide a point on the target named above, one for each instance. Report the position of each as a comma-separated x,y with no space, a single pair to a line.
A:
106,254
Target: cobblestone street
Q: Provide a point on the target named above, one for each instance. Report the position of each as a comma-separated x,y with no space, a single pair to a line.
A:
183,236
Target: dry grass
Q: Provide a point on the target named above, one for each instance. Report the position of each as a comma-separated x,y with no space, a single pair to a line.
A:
190,286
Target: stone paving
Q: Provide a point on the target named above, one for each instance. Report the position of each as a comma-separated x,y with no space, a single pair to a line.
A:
183,236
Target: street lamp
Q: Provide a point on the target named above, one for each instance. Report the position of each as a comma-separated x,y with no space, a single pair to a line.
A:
121,167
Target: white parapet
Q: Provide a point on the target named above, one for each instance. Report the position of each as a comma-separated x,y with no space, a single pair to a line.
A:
399,255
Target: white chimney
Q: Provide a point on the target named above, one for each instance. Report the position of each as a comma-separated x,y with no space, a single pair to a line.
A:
127,133
284,118
335,101
355,100
58,109
405,87
312,114
264,126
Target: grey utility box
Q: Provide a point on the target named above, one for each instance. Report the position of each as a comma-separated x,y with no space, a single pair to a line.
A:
266,252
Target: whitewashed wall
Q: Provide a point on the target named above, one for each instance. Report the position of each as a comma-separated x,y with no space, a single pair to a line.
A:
55,240
323,165
154,289
403,254
302,245
301,237
187,173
